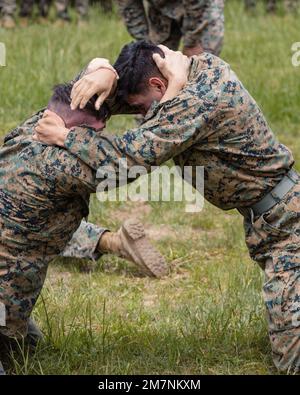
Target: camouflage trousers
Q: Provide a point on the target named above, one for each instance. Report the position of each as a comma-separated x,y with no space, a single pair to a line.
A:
27,7
106,5
273,240
82,6
22,273
8,7
211,27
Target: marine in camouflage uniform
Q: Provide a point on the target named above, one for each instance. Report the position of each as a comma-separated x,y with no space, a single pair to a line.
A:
44,195
215,123
82,7
166,22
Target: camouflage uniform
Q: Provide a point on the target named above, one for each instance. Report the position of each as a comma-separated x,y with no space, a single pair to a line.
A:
82,7
166,22
215,123
27,7
8,7
44,195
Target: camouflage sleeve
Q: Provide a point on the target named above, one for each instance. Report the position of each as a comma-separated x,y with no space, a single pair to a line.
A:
193,23
133,13
172,129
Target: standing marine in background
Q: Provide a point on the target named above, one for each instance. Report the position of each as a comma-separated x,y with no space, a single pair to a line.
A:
200,23
27,9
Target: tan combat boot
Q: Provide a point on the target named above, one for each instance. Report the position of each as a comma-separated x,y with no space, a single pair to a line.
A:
131,243
8,22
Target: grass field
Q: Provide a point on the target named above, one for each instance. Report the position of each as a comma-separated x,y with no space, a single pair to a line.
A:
207,317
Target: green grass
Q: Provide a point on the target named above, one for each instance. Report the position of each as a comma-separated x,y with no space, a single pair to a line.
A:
208,315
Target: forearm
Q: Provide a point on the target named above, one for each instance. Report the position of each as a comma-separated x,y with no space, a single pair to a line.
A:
154,143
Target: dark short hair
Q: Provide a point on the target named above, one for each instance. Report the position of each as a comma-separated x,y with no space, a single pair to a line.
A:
62,94
135,66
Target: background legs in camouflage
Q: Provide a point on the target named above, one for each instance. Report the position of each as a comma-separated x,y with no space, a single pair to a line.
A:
8,10
81,6
168,24
106,5
272,5
213,31
27,6
8,7
211,26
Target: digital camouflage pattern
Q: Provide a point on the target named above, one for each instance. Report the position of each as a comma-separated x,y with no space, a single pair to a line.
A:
44,195
84,242
215,123
166,22
8,7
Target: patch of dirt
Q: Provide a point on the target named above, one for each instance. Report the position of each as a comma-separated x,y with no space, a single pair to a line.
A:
137,210
159,232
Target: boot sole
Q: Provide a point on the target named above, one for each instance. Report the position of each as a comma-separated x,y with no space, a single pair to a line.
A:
146,256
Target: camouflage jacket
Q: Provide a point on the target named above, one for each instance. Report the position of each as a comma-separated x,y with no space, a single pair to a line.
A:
44,192
213,122
155,24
